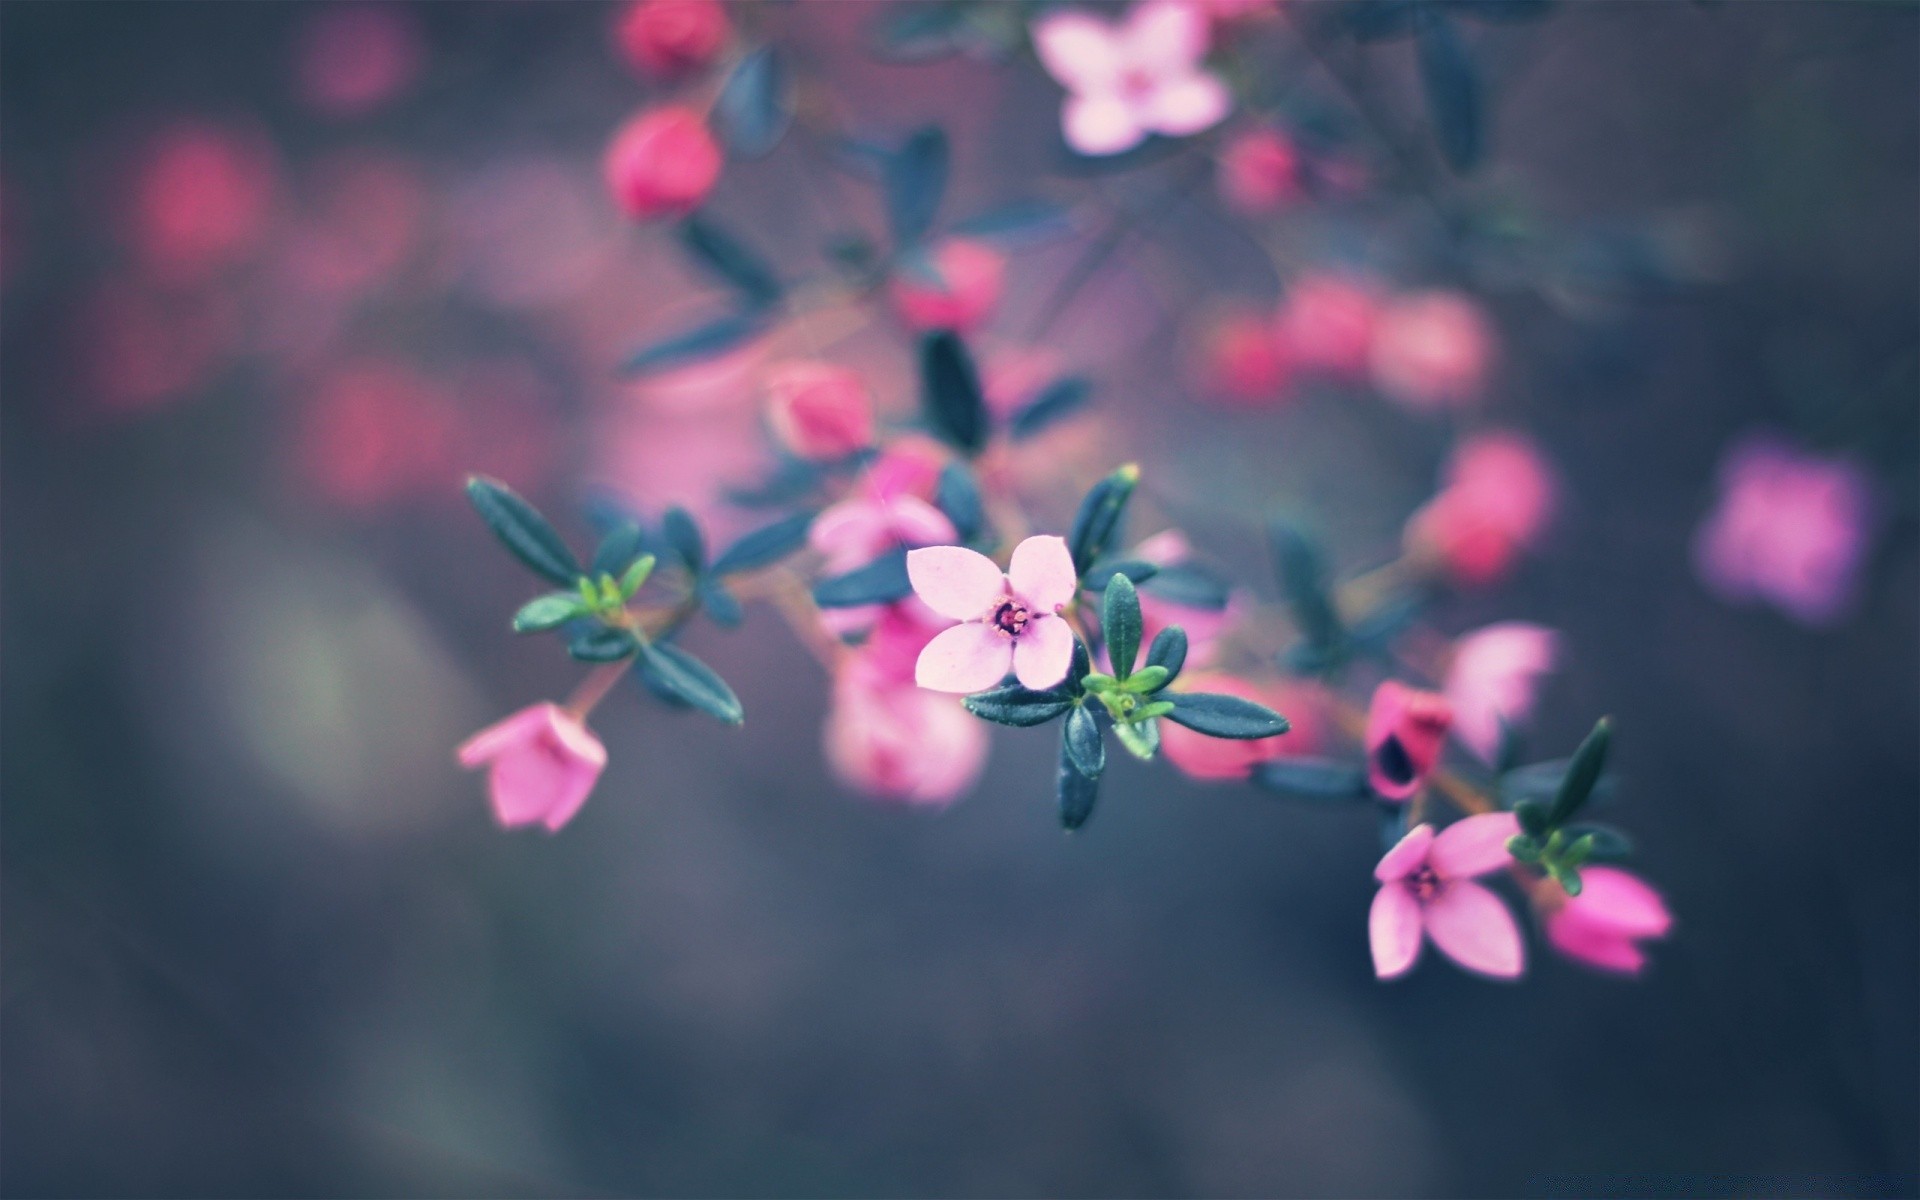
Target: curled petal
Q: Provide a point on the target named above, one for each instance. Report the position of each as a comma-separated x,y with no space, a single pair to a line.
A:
1473,928
1407,856
1041,573
497,738
1043,653
1393,930
1473,846
956,582
1099,124
968,658
1186,106
1622,901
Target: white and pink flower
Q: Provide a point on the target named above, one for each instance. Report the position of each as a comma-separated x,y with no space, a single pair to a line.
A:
1139,75
1008,622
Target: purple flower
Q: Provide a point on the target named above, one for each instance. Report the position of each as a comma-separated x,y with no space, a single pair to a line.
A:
1131,77
1007,622
1427,887
1791,529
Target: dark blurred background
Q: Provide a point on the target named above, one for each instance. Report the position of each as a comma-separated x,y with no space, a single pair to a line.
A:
262,938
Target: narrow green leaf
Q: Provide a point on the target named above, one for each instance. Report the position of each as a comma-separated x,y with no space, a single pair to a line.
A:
1085,746
1190,586
1524,848
1150,678
1303,581
1224,716
1607,844
1532,817
1313,779
721,605
547,612
1120,624
1582,774
599,644
1098,522
522,529
755,104
710,340
915,180
1169,650
958,496
618,548
1018,706
1452,85
950,392
682,534
636,576
765,545
1077,792
692,681
1059,399
1101,573
729,258
881,581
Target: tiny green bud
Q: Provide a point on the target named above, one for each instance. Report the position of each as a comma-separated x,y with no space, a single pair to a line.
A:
635,576
1159,708
1148,679
1523,848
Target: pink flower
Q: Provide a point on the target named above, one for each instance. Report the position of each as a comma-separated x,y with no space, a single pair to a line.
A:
1605,923
1131,77
1499,496
672,37
541,763
1243,364
1791,529
819,410
1432,350
1493,680
1326,323
1203,757
888,737
955,286
201,201
1406,728
1426,885
1259,172
858,530
353,59
1007,622
662,162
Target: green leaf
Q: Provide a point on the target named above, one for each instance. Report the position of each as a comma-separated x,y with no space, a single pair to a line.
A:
1452,85
617,550
1524,848
682,535
1018,222
522,529
1076,792
1101,573
1532,817
1078,668
1148,679
1061,398
1097,524
548,612
1224,716
1018,706
1313,778
599,644
679,674
1567,877
1303,581
755,104
730,259
1085,746
881,581
920,32
1169,650
950,392
710,340
721,605
1582,774
1140,737
765,545
915,180
1608,844
636,575
1120,624
958,496
1159,708
1190,587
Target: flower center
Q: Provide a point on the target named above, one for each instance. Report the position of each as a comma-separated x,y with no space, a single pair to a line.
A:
1136,84
1425,884
1010,618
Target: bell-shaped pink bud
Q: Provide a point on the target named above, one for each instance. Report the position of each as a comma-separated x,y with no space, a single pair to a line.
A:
665,38
1406,729
541,763
1604,925
819,410
662,162
1259,172
956,286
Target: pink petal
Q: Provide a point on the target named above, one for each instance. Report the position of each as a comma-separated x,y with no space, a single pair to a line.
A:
956,582
1082,52
1393,930
1473,846
1165,37
1473,928
1406,857
849,533
1593,945
914,522
1185,106
1043,652
511,731
1099,123
968,658
547,776
1622,900
1041,573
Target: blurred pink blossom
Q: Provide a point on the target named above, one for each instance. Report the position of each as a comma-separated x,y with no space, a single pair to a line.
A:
355,58
1427,888
1432,350
366,217
1128,78
1604,925
662,162
1203,757
857,530
666,38
1406,729
1326,323
201,201
887,736
956,286
819,410
541,764
1498,497
1243,364
1259,172
1204,626
1791,528
1494,678
1007,621
137,348
375,431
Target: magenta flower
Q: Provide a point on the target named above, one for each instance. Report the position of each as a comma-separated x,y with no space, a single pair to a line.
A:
1406,729
1494,678
1131,77
1007,622
541,761
1791,529
1427,886
1605,923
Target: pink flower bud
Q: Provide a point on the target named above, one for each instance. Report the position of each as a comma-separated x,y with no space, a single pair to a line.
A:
662,162
1243,364
956,286
1604,925
819,410
1498,498
665,38
1494,679
1259,172
1432,350
201,201
541,763
888,737
1406,729
355,58
1326,324
1204,757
